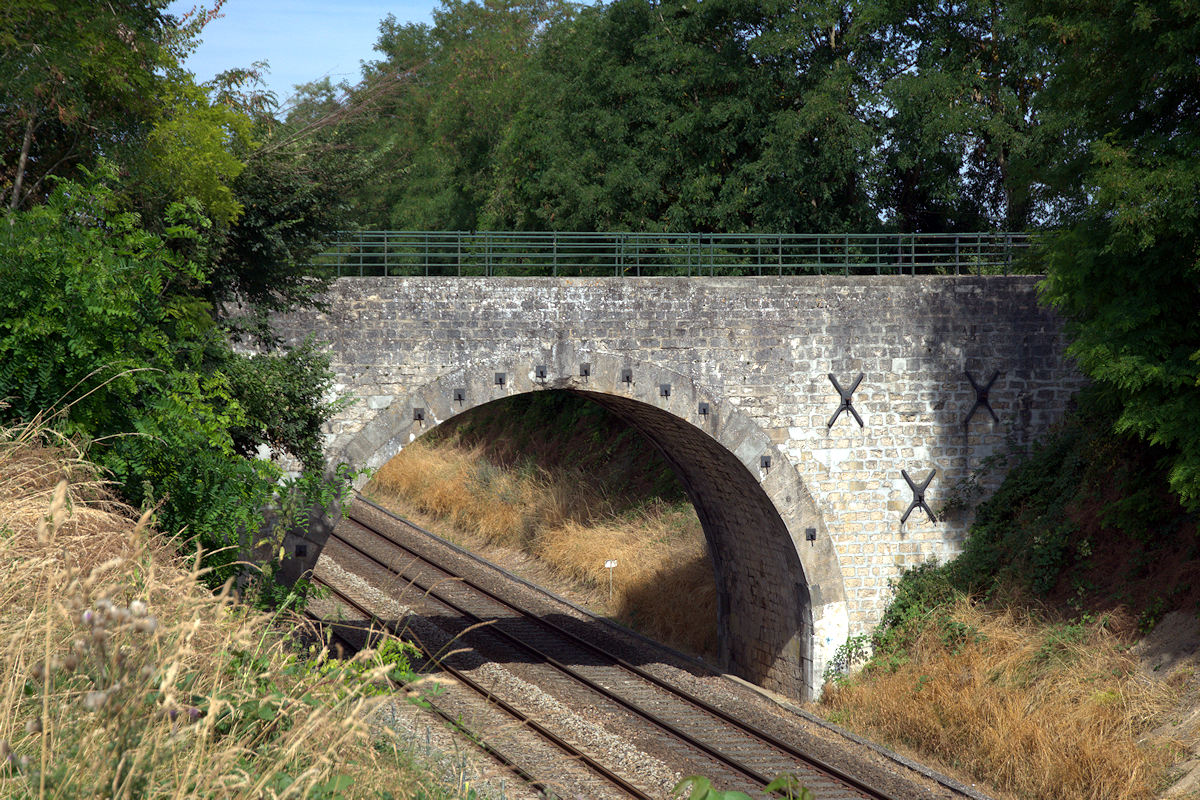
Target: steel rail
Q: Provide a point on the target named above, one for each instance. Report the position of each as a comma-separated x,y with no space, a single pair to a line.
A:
453,721
785,748
492,699
428,591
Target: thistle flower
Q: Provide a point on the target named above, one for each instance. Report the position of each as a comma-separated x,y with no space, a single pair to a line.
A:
147,624
94,701
137,608
33,725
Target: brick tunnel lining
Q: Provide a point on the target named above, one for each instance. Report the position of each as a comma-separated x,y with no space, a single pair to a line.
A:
764,615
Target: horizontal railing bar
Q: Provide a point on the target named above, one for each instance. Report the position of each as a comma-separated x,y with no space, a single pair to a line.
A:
649,253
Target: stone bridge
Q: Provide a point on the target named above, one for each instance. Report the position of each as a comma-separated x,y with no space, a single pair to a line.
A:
730,378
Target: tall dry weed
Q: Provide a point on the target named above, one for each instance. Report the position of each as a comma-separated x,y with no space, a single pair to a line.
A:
1036,710
121,676
663,584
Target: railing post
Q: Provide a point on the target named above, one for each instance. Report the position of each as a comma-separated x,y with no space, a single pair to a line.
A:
781,254
554,253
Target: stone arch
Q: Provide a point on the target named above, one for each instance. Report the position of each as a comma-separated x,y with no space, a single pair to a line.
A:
781,598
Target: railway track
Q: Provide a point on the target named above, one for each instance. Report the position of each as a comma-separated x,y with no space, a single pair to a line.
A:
476,626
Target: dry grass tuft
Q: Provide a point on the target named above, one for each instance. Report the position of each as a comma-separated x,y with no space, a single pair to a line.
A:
1034,709
664,583
121,676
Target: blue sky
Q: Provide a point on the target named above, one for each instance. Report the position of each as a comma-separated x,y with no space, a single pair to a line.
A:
303,40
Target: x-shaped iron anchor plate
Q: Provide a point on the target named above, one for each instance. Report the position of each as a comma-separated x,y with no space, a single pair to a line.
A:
981,397
918,500
847,403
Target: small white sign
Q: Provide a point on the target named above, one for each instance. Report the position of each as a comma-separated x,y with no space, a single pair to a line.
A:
612,562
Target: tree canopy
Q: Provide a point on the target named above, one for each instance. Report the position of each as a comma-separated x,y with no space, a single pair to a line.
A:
1126,268
149,222
721,115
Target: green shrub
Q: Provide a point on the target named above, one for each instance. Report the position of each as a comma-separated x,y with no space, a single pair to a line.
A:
103,330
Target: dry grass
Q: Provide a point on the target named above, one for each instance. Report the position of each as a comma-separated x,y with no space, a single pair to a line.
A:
663,584
1037,710
121,676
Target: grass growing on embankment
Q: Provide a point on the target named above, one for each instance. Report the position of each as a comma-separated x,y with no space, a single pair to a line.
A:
1033,708
571,528
121,675
1013,664
559,478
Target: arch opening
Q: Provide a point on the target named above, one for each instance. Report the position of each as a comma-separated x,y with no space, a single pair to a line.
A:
764,616
780,598
553,486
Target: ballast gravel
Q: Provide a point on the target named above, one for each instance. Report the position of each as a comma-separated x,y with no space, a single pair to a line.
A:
586,725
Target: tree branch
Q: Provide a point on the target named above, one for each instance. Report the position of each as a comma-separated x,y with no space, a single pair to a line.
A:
19,178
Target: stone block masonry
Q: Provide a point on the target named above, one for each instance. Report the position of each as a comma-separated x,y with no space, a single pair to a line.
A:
803,518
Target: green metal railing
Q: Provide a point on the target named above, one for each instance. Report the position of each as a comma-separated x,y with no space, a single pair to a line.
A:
504,253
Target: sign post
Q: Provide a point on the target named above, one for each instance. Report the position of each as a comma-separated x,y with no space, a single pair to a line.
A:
609,564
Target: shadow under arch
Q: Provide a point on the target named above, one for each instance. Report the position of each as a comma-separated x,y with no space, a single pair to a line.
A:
781,607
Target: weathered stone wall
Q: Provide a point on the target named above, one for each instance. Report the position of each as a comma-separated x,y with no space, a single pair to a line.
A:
757,352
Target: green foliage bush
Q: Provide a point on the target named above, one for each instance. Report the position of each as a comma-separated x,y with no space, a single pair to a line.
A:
697,787
102,328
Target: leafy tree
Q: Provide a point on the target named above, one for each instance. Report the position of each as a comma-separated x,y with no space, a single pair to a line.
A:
1126,268
294,192
102,327
142,208
430,112
194,149
80,80
724,115
959,135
